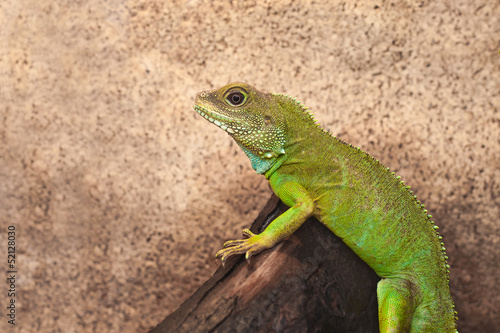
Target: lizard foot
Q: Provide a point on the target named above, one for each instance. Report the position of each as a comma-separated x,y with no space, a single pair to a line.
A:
251,245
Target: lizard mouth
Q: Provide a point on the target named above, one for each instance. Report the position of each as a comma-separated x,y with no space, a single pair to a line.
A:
217,119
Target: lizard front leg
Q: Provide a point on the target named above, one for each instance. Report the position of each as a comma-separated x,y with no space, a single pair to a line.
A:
301,208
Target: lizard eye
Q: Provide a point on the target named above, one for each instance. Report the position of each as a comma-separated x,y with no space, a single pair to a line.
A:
236,98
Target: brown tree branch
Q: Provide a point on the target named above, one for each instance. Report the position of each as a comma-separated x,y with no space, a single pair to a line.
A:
311,282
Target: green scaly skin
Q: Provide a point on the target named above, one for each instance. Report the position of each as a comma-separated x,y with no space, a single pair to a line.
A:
350,192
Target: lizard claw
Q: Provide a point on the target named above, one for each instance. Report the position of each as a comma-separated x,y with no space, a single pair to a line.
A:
253,244
247,233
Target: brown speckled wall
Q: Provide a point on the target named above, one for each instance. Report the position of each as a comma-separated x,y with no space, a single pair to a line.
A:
121,194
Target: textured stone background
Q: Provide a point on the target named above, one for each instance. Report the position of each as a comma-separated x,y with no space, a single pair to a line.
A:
121,194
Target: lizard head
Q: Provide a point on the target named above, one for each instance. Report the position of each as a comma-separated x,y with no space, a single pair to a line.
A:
251,117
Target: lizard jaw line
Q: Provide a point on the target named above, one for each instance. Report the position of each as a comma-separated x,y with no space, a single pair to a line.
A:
208,116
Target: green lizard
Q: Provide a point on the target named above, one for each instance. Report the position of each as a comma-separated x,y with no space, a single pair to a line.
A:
351,193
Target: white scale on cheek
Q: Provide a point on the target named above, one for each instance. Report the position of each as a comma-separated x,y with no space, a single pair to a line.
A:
216,122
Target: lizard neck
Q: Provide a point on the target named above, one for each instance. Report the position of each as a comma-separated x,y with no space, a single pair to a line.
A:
297,149
261,164
301,131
